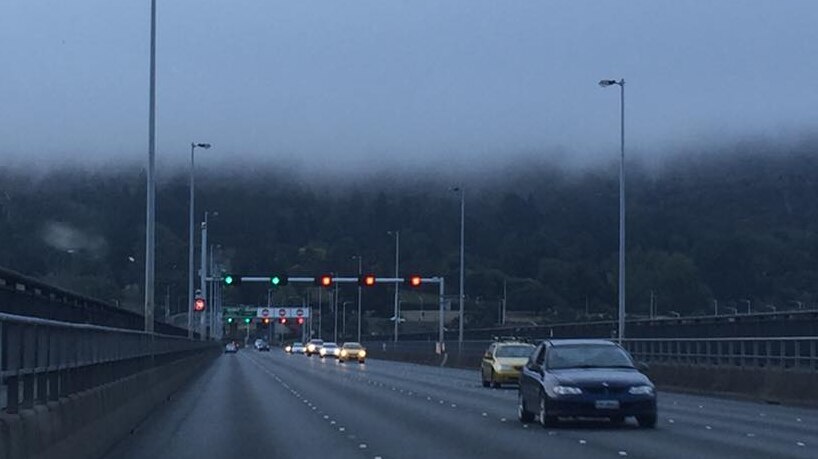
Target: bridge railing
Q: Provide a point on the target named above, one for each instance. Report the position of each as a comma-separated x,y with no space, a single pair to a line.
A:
43,360
798,352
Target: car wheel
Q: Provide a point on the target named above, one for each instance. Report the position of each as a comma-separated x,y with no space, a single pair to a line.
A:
361,361
523,414
483,379
545,419
494,382
647,421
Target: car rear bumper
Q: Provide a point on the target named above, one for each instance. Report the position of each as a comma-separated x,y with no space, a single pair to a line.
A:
629,406
506,377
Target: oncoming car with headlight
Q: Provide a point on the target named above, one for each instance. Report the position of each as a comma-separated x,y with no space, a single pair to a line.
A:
298,348
584,378
503,362
352,351
330,350
313,347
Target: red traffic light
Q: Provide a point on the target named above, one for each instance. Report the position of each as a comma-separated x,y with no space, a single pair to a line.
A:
367,280
415,281
300,321
324,280
199,304
282,320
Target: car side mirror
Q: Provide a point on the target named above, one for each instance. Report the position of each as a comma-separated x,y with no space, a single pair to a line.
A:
642,367
488,356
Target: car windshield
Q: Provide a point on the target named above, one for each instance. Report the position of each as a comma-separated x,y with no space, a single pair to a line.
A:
588,356
316,341
352,346
330,345
514,351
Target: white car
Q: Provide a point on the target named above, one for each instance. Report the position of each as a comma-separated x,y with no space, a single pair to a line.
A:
231,348
298,348
330,350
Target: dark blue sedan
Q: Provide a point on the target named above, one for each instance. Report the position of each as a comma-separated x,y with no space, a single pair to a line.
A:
584,378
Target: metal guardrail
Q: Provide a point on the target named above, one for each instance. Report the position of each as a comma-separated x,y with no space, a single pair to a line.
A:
26,296
42,360
797,352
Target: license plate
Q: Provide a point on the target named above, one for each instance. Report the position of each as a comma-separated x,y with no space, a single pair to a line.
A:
607,404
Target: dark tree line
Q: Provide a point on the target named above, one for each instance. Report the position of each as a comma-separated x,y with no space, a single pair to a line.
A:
731,228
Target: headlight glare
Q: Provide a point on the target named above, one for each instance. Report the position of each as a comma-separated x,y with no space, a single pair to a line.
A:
362,354
567,390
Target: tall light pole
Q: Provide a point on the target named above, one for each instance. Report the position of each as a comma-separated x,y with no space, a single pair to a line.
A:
150,219
396,234
462,296
360,273
191,237
621,84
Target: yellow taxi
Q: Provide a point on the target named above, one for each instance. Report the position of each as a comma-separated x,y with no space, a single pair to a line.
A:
503,362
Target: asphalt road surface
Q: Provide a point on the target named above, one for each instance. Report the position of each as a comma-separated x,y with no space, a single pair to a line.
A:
254,405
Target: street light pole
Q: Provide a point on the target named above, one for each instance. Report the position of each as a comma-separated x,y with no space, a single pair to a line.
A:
621,84
360,272
191,237
150,219
462,296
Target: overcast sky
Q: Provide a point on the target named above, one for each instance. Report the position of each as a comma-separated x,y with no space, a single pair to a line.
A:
351,82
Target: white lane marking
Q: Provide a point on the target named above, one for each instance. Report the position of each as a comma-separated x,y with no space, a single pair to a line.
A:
502,419
332,423
762,414
797,419
551,433
800,443
454,406
362,446
485,414
525,426
378,457
623,453
671,421
326,416
708,427
582,442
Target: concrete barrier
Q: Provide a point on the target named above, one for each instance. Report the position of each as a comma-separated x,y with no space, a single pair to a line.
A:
87,424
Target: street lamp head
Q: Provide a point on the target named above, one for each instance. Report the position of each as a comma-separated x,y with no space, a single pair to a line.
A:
606,83
203,145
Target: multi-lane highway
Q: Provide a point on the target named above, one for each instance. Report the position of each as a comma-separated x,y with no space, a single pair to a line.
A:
273,404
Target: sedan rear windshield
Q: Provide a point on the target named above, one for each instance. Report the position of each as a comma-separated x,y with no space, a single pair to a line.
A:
513,351
588,356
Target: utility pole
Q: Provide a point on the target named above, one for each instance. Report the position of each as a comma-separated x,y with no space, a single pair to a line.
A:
150,219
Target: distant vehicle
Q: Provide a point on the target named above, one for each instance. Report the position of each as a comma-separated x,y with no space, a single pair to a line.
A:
257,343
584,378
503,362
288,348
298,348
330,350
352,351
231,348
263,346
314,347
